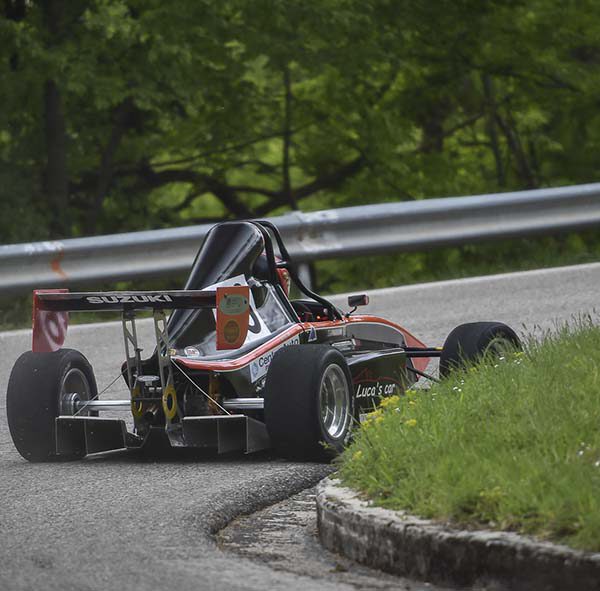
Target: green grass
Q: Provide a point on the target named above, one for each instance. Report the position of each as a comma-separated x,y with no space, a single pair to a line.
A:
514,446
502,256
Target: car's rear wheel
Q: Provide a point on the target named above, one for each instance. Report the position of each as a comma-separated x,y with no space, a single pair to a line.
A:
309,402
470,342
41,387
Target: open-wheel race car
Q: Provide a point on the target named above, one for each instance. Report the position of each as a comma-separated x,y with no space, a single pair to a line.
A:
237,366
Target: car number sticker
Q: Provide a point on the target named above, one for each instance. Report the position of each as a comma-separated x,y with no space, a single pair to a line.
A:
259,367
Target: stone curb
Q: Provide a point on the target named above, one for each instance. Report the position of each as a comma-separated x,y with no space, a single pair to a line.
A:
409,546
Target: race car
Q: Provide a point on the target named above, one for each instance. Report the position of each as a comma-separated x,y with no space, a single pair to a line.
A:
238,365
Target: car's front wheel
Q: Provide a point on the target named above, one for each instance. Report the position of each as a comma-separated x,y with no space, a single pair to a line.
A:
470,342
309,402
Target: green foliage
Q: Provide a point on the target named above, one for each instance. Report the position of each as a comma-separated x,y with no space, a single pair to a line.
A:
167,114
359,273
512,446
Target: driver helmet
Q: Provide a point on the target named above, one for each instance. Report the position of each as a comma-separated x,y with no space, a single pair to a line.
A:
260,270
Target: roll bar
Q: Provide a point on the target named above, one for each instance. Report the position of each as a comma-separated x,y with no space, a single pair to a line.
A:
287,263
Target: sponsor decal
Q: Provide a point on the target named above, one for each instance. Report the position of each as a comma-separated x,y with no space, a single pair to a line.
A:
312,335
49,328
233,304
232,316
257,329
336,332
231,332
375,389
191,352
370,386
161,298
254,371
259,367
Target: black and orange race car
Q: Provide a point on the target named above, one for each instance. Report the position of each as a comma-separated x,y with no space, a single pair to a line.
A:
238,364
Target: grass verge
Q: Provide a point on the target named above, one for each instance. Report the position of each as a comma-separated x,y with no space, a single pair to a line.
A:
513,446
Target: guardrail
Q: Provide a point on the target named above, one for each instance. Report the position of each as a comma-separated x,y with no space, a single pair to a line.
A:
333,233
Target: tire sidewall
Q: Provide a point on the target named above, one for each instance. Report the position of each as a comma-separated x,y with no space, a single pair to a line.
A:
33,399
291,402
468,342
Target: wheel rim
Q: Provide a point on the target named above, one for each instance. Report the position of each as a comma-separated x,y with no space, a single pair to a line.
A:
499,346
334,401
74,388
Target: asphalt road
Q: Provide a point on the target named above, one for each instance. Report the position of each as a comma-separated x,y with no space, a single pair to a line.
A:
130,524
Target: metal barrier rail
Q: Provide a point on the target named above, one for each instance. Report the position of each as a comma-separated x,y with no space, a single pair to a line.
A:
334,233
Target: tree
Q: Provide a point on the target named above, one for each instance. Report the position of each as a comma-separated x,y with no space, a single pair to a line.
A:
123,114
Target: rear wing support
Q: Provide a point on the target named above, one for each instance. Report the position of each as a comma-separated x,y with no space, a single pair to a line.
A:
165,369
132,350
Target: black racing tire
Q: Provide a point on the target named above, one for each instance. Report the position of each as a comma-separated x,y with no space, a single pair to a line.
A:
300,379
472,341
36,396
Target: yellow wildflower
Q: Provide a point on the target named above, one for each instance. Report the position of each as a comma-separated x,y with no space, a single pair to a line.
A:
390,401
411,422
372,417
357,455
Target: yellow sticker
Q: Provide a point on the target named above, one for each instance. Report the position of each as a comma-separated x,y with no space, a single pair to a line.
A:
231,332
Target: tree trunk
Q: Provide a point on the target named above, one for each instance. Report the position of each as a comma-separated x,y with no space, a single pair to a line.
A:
57,181
523,169
287,139
121,118
492,130
56,176
15,10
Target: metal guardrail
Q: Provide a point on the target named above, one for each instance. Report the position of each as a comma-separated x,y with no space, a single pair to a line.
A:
334,233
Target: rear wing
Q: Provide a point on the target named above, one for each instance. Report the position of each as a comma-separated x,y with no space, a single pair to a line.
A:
51,309
121,301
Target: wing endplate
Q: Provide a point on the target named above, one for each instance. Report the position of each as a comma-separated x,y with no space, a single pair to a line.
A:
49,326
